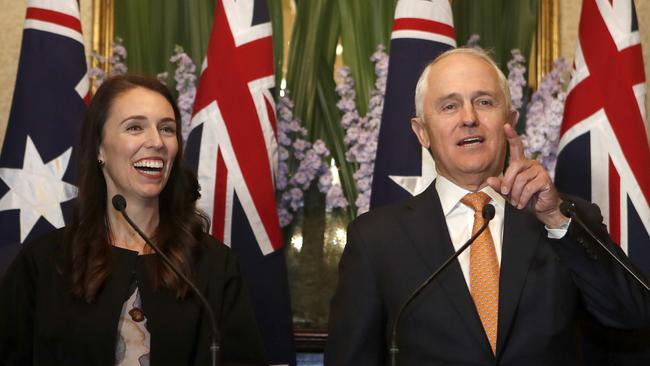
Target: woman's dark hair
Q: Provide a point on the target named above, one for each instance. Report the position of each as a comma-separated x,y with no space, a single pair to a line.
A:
87,254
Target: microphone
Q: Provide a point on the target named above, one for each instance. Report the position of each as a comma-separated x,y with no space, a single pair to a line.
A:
488,214
568,209
119,203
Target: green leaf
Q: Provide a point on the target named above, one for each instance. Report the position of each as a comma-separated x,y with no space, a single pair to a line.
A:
365,24
150,30
502,25
310,82
277,22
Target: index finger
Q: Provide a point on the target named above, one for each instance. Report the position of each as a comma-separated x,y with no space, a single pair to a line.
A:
515,143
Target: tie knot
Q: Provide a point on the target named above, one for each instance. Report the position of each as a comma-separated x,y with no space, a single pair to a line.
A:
476,200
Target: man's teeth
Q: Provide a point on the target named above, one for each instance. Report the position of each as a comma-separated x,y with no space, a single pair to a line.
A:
472,140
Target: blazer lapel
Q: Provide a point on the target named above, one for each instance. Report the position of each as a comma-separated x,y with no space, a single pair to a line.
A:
521,236
426,227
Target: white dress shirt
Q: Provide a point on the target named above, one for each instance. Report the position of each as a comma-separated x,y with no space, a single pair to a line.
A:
460,219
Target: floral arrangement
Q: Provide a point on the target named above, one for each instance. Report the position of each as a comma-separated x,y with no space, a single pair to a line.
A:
544,116
474,41
116,61
361,133
185,77
516,80
299,164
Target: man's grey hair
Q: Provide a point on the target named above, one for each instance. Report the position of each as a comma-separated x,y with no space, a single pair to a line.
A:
422,85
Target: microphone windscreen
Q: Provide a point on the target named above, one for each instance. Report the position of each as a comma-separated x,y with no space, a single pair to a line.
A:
488,212
119,202
567,209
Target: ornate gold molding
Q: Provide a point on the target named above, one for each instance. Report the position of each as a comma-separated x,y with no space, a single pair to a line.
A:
102,37
546,42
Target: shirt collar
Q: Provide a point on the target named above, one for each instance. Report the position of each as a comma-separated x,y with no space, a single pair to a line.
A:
450,195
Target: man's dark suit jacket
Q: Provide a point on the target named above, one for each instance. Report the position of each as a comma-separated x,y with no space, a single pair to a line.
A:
544,286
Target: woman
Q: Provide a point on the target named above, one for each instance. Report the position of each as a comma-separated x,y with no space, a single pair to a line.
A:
94,293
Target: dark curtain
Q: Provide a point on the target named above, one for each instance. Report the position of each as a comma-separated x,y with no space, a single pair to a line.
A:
151,28
502,25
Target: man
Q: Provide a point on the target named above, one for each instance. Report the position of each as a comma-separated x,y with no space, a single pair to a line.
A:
515,296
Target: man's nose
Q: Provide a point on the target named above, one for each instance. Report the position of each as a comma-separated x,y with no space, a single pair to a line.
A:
469,115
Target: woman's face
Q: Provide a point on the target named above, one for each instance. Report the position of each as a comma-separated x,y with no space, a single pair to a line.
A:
138,145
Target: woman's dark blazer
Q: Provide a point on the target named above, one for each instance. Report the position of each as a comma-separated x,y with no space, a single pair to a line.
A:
41,323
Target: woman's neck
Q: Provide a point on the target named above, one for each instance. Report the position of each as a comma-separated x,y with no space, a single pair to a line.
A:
145,216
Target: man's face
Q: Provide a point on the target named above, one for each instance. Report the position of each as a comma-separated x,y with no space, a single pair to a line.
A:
464,114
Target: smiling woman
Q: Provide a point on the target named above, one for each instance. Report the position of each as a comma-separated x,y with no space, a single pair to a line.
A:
99,271
139,145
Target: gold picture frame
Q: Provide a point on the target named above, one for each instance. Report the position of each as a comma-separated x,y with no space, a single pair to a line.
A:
103,33
546,43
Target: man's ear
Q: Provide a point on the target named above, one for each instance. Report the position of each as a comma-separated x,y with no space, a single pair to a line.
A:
420,132
513,118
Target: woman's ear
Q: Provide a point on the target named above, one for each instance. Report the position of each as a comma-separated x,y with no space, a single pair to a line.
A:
100,155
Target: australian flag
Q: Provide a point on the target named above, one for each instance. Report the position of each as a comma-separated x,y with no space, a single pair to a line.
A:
233,146
603,152
421,31
49,100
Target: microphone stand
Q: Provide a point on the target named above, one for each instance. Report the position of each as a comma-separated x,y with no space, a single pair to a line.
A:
488,215
119,203
568,210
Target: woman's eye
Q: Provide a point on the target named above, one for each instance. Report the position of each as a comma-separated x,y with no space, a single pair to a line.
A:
134,128
168,130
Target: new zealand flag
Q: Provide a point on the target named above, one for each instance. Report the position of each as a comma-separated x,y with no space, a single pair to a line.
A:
421,31
233,147
48,103
603,152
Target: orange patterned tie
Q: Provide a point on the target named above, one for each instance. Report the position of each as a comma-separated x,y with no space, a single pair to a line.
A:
484,269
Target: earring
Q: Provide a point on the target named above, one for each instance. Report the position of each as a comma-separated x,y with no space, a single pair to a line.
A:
101,163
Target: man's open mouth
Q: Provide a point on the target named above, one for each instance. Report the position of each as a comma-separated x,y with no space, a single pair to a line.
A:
469,141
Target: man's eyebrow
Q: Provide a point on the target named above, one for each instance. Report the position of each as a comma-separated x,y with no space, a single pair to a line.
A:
480,93
448,96
457,96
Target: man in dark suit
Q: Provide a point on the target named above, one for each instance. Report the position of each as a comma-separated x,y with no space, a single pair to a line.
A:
515,297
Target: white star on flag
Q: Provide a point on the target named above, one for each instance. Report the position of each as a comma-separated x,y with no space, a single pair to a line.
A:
417,184
37,189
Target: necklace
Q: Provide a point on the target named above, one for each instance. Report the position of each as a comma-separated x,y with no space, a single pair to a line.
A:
136,313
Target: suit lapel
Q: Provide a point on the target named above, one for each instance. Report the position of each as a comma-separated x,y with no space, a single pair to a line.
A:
426,227
521,236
